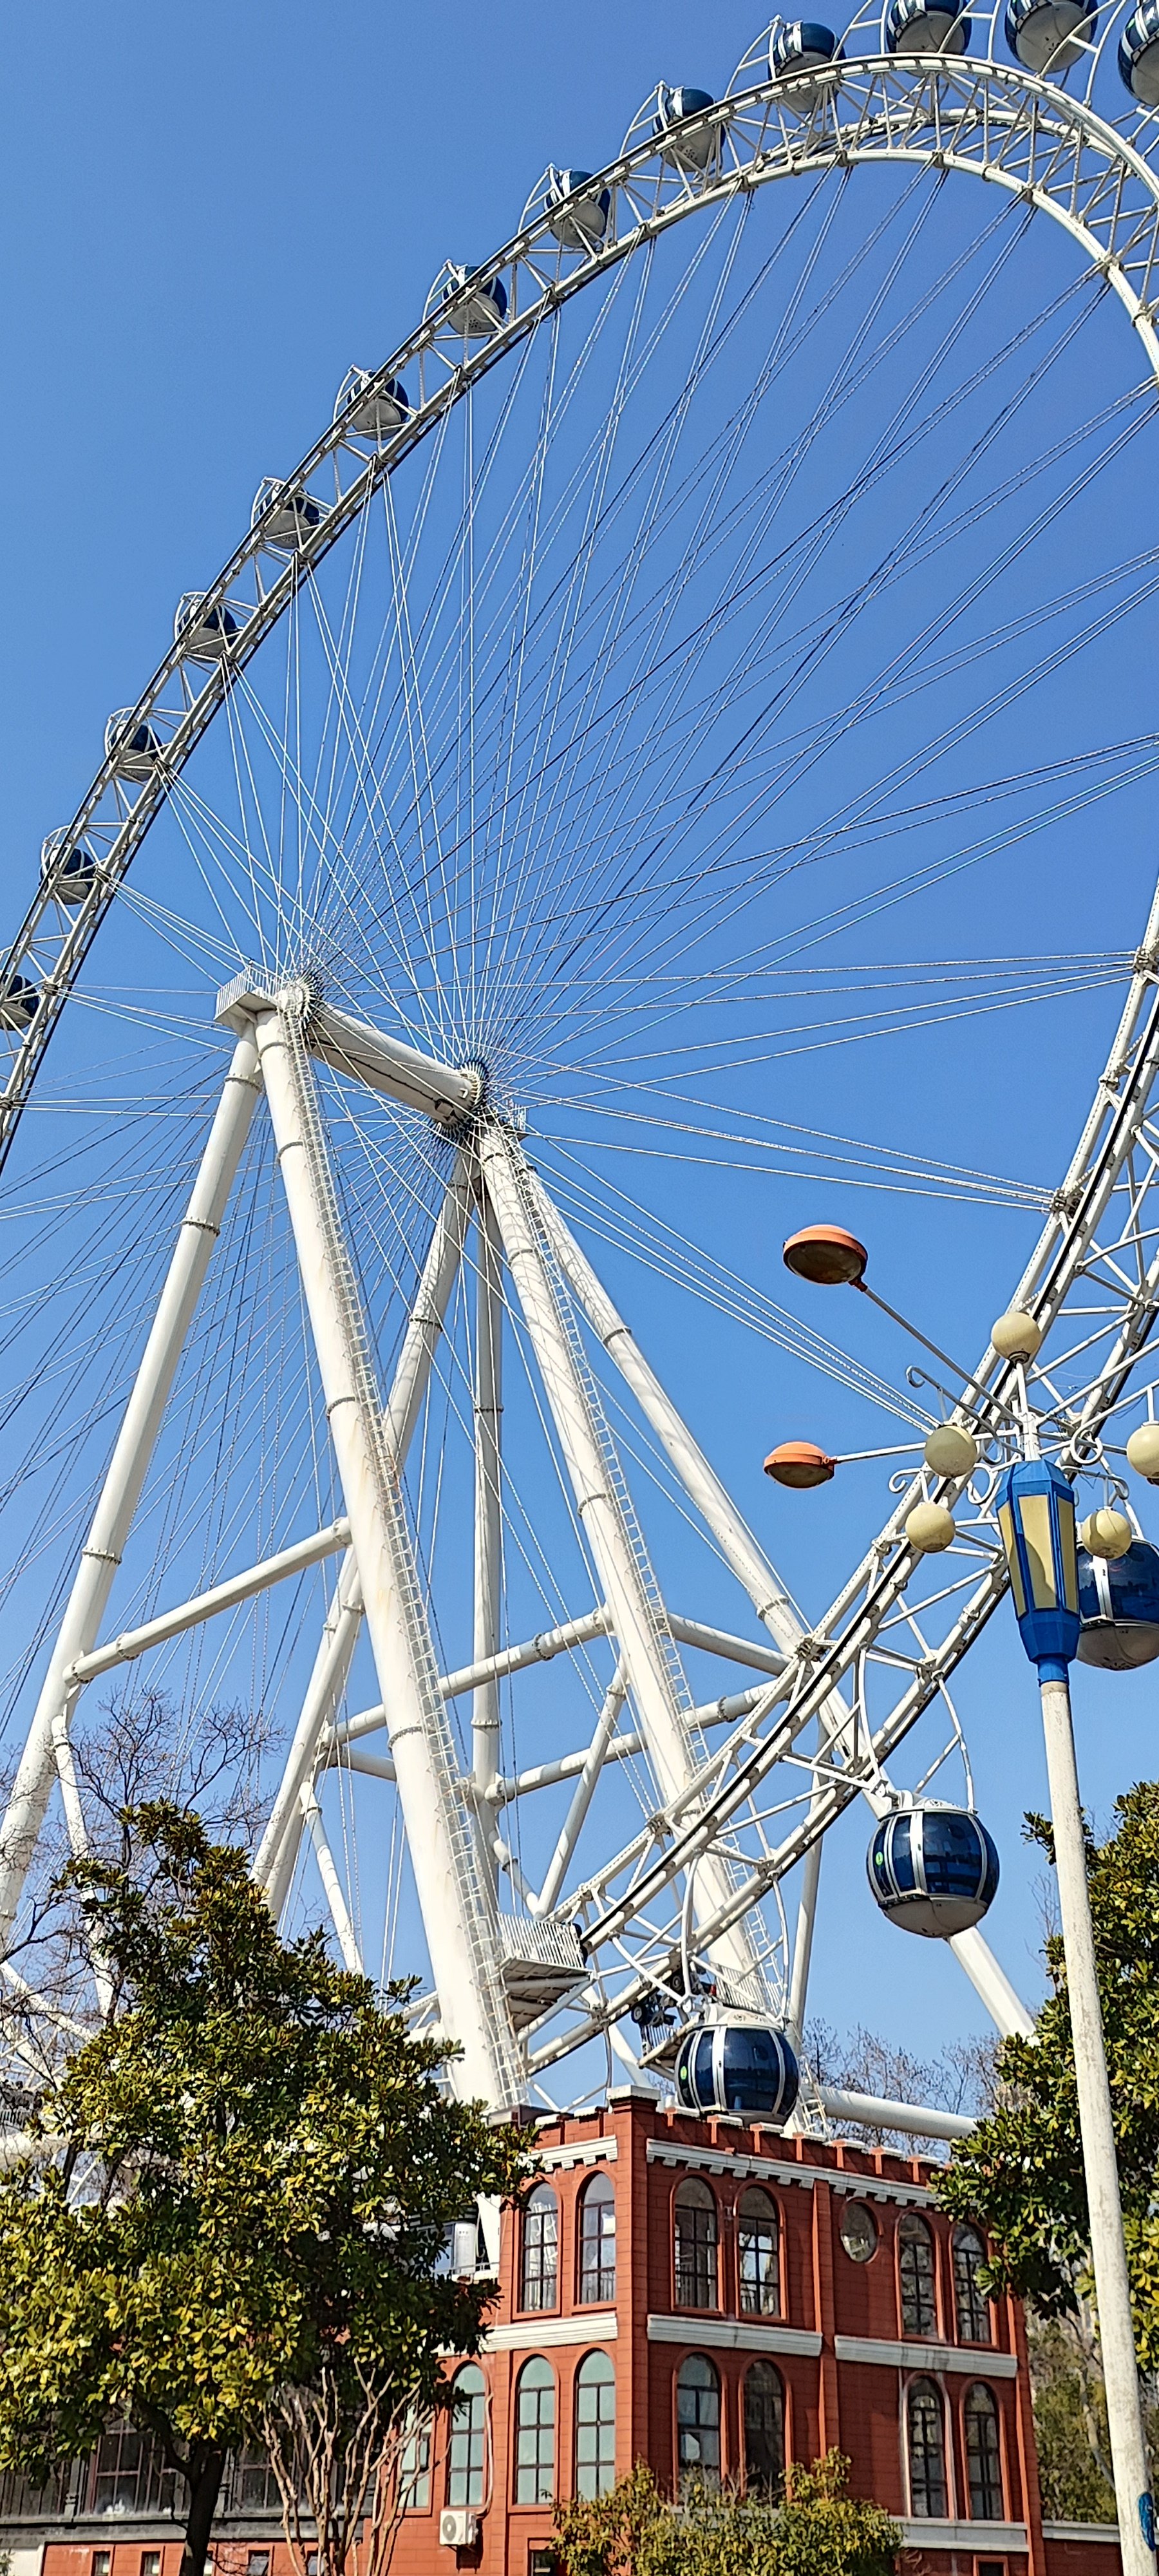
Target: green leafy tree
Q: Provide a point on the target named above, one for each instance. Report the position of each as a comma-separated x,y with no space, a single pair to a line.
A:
816,2529
1070,2421
1021,2170
234,2228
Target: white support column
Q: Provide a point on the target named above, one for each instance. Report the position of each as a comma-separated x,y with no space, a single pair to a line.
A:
451,1893
772,1603
127,1470
803,1944
488,1521
591,1469
1006,2008
278,1850
327,1872
584,1791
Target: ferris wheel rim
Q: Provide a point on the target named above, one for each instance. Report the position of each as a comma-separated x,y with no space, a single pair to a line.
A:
908,84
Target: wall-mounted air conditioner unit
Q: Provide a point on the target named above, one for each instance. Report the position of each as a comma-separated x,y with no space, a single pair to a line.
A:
458,2528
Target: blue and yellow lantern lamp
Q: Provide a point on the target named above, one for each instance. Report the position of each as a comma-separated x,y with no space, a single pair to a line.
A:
1036,1520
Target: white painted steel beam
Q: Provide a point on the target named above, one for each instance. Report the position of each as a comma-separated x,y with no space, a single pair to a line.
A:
332,1885
596,1482
440,1831
208,1605
770,1599
443,1092
875,2113
510,1659
567,1766
717,1641
585,1789
128,1467
1005,2007
488,1412
278,1850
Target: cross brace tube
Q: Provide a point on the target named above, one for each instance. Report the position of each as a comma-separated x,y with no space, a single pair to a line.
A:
208,1605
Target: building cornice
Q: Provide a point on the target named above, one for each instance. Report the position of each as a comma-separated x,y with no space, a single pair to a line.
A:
734,2334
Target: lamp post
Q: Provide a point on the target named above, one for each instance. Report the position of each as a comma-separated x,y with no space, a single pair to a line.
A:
1037,1522
1036,1518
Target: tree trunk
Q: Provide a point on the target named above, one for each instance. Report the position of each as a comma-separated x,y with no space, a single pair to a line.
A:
203,2476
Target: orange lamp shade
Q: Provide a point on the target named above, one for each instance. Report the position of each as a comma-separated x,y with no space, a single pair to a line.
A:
826,1255
799,1463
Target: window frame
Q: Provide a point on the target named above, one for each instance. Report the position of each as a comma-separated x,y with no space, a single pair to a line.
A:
606,2379
974,2388
923,2379
540,2387
913,2229
686,2469
458,2432
420,2441
598,2192
757,2191
760,2361
984,2342
683,2198
539,2203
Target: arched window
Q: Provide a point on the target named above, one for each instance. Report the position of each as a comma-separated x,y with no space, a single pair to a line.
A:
698,2420
595,2425
465,2449
535,2433
983,2454
540,2248
597,2242
759,2254
926,2443
764,2429
915,2265
970,2299
695,2246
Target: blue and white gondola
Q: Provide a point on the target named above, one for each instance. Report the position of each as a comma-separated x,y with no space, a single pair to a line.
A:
474,303
915,27
746,2068
1119,1608
933,1869
1139,53
370,409
800,47
691,151
1049,35
577,212
67,866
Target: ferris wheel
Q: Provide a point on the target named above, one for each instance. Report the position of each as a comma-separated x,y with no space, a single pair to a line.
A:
590,754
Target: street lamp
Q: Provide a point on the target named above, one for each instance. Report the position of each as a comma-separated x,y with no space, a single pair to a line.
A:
1036,1519
1037,1522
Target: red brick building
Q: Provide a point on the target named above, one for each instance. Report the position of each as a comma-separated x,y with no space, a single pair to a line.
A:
699,2294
